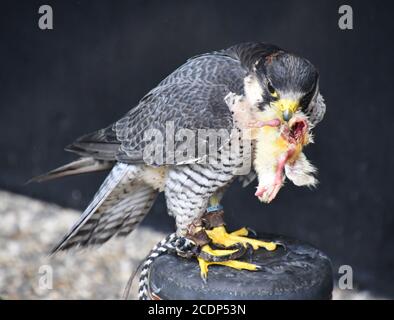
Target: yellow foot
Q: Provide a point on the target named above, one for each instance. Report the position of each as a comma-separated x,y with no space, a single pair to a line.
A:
220,236
240,265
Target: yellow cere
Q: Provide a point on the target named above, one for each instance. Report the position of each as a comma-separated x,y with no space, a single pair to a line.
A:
286,104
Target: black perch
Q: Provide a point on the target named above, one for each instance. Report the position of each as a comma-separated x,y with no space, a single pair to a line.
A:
294,271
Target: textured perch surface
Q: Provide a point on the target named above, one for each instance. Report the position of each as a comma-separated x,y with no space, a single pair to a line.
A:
30,228
295,271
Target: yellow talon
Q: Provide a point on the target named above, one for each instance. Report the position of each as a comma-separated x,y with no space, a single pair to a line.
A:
220,236
240,265
217,253
240,232
203,268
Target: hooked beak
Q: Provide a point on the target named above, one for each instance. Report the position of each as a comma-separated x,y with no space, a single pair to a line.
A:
287,114
287,106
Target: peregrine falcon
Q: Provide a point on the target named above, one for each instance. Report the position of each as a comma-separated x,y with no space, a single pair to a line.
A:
249,85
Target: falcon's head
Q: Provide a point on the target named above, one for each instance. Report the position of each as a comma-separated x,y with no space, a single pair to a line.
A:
285,88
287,83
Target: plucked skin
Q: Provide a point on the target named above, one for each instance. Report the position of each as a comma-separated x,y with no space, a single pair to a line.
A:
195,96
277,157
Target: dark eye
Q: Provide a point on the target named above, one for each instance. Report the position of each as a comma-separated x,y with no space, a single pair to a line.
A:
272,90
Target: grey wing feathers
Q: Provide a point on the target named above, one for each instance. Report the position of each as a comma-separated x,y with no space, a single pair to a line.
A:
178,106
191,97
82,165
116,209
101,144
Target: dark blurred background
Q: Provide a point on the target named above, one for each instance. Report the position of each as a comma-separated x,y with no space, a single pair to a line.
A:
103,56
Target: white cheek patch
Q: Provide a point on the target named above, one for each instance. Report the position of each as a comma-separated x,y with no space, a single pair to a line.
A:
253,90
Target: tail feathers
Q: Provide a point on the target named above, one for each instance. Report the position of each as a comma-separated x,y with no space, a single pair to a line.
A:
114,177
82,165
117,208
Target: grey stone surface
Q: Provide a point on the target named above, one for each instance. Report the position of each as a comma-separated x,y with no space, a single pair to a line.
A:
28,230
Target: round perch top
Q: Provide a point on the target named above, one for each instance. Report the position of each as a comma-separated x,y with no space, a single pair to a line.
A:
293,271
